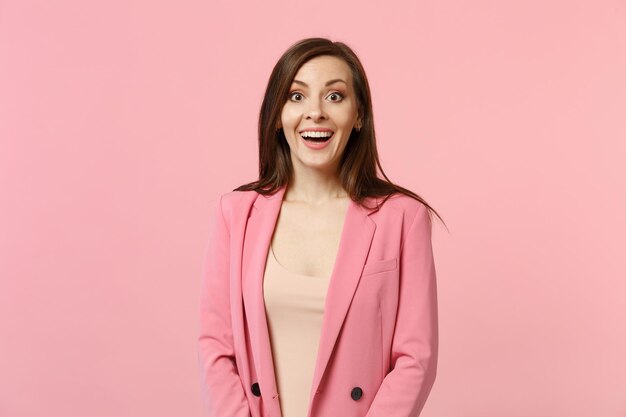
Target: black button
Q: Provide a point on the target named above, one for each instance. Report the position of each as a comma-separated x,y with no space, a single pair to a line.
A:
356,393
256,390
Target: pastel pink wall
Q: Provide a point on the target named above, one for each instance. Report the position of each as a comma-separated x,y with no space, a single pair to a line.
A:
121,120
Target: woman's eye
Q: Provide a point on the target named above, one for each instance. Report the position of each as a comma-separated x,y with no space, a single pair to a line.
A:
336,93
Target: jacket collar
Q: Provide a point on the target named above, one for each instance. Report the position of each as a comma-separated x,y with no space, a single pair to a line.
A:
356,238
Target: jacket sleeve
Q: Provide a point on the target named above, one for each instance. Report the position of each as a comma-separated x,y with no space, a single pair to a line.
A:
223,393
414,348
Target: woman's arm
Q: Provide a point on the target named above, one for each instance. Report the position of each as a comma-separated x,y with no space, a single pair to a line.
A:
223,390
414,348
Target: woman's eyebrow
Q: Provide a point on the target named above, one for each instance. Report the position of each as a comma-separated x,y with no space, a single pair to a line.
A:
326,85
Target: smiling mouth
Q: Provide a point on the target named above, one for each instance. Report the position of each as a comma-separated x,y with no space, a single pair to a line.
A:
317,140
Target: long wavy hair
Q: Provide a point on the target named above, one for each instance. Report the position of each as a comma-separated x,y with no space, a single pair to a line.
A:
359,160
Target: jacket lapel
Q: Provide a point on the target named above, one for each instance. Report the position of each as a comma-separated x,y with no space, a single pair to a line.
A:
356,238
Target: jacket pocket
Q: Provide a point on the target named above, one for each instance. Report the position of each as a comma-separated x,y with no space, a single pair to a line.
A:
374,267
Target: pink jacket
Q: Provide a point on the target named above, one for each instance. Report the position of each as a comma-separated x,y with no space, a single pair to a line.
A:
377,354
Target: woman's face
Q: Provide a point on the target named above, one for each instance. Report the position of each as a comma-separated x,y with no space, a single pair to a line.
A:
321,97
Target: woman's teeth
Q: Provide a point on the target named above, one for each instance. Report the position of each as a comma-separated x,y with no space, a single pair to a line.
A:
316,136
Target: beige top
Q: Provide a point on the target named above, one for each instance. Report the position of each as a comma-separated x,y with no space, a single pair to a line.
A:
294,306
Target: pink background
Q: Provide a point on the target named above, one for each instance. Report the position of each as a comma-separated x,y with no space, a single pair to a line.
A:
121,120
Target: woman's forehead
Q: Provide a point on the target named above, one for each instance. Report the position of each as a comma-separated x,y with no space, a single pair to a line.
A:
322,70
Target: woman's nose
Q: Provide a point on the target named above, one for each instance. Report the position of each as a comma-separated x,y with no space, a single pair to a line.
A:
315,110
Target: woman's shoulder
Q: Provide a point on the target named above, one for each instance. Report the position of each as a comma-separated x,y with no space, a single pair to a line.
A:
403,203
236,199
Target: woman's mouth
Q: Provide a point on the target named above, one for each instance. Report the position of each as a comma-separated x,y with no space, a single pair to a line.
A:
317,137
316,140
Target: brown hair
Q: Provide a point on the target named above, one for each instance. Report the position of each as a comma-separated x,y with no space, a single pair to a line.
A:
360,157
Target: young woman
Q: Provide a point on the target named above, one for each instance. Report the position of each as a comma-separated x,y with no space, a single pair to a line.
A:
319,290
